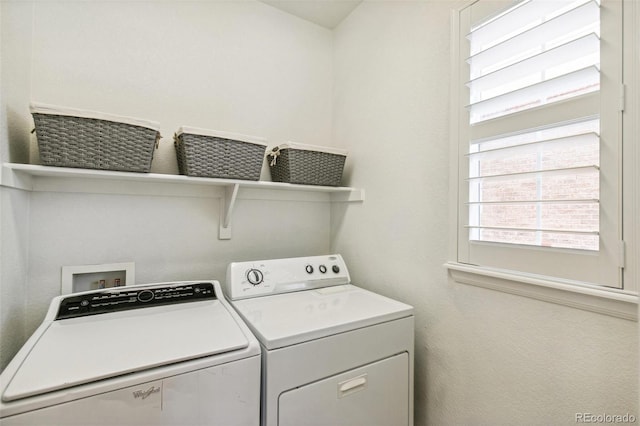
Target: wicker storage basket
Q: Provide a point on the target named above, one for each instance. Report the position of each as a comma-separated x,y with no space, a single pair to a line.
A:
307,164
215,154
70,137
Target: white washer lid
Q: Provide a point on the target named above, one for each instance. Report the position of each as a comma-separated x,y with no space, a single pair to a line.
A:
85,349
291,318
39,108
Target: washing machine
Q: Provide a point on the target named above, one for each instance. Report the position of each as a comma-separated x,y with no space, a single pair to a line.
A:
332,353
158,354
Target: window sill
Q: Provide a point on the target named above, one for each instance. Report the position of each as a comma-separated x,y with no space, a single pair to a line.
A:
610,302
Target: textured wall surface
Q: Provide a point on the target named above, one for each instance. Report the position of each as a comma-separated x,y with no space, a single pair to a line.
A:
14,223
15,43
482,357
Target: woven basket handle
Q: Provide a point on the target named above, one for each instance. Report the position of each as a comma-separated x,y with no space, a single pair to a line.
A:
275,152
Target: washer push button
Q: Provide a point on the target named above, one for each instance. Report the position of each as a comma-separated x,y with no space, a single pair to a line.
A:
145,295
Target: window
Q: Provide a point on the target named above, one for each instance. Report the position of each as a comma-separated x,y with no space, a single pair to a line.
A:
539,138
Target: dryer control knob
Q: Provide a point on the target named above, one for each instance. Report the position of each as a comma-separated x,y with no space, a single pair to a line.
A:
322,269
254,276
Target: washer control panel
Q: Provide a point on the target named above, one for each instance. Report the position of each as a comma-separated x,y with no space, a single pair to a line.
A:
274,276
123,298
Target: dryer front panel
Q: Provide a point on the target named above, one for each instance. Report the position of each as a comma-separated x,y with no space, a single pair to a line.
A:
376,394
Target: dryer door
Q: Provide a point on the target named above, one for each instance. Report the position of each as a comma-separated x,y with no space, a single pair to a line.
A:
376,394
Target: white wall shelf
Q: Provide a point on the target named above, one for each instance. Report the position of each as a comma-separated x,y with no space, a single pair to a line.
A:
31,177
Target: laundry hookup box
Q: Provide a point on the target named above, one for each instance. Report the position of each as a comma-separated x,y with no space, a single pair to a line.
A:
70,137
218,154
306,164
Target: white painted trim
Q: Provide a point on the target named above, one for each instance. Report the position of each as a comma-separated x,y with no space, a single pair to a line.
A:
612,302
598,267
35,178
631,146
31,177
454,135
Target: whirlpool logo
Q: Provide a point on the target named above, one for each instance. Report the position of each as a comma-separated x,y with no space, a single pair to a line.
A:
144,394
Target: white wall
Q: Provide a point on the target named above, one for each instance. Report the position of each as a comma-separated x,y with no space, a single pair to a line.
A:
238,66
14,210
482,357
15,41
15,71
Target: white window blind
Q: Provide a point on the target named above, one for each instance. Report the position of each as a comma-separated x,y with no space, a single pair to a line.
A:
538,188
553,53
535,121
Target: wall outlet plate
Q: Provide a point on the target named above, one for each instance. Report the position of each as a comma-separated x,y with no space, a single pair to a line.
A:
93,277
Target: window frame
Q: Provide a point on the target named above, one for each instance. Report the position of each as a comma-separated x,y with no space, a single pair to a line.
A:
576,293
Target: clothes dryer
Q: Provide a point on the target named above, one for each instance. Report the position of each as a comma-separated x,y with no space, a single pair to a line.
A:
332,353
157,354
